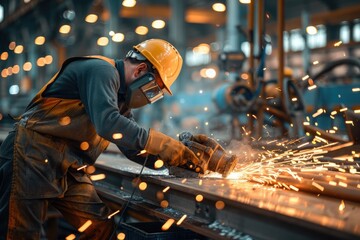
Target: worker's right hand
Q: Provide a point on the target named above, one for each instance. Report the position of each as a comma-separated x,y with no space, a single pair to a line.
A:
171,151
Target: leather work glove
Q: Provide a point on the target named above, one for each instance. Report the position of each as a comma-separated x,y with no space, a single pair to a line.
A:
170,150
207,141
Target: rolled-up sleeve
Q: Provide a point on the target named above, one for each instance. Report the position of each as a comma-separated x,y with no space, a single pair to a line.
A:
98,89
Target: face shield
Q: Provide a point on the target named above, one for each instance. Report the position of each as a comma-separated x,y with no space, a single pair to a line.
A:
144,90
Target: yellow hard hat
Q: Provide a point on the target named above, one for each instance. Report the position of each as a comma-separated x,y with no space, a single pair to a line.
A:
164,57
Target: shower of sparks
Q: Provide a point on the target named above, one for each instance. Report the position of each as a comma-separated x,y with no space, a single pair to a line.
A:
343,109
142,152
114,213
318,112
85,226
82,167
181,220
312,87
305,77
167,224
318,186
342,205
121,236
299,169
337,43
349,122
98,177
70,237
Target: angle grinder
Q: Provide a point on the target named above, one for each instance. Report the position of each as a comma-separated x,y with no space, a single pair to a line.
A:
211,154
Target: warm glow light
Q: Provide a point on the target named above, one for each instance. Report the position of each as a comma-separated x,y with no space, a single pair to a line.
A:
91,18
4,56
219,7
84,146
40,40
85,226
12,45
48,59
98,177
142,186
64,121
311,30
199,198
118,37
202,49
245,1
117,136
27,66
219,205
19,49
167,224
65,29
164,204
158,24
210,73
4,73
9,71
40,62
203,73
70,237
103,41
129,3
181,219
121,236
245,76
158,163
141,30
16,69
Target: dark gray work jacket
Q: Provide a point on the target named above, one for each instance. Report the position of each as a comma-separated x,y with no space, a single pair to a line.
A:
54,136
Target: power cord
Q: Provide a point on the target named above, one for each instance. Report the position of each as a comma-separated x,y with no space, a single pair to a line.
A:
123,210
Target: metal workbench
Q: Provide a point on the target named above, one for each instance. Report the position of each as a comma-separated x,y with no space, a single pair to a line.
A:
230,208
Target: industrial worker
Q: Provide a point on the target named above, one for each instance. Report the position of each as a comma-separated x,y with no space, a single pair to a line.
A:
69,123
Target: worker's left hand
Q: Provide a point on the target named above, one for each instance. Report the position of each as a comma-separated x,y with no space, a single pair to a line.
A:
207,141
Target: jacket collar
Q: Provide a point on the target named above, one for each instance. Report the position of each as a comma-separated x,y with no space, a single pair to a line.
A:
119,64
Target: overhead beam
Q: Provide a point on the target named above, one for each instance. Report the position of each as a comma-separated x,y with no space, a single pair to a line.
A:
336,16
20,12
193,15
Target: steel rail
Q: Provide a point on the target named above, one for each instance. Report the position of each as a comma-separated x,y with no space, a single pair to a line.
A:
263,212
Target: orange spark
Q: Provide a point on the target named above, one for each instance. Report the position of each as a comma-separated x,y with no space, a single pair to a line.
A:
85,226
167,224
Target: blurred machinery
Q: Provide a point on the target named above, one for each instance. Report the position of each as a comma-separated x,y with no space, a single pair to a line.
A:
279,107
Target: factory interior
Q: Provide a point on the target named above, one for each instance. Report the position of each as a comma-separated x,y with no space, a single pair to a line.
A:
275,83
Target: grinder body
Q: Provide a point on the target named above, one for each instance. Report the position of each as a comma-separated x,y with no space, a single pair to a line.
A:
211,154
